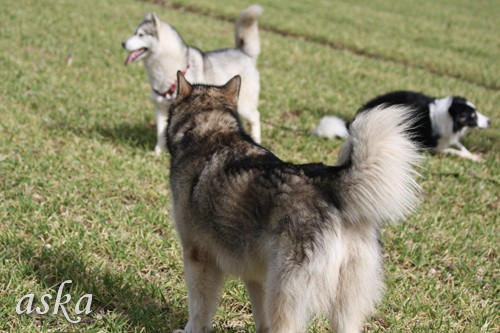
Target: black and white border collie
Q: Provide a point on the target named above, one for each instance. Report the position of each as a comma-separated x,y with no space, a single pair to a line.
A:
439,122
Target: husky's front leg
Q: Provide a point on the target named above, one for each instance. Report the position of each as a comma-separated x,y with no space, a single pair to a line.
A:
253,116
161,106
204,282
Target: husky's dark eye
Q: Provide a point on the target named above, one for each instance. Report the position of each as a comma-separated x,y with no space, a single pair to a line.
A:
141,34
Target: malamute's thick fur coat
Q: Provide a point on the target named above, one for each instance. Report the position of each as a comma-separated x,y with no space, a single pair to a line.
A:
164,53
304,238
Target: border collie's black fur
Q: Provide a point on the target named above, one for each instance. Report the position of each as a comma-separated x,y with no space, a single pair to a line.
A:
439,122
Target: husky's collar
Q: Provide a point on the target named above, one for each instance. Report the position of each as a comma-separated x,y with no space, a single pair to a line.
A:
169,94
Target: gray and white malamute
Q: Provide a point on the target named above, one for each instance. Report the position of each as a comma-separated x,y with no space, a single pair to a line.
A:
164,53
304,238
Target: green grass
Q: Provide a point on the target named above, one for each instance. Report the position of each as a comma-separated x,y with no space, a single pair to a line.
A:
445,37
82,197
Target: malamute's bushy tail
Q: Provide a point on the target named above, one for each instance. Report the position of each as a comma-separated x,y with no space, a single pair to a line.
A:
247,31
379,181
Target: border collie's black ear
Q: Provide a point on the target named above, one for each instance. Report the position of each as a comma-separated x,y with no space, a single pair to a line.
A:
459,99
232,89
184,88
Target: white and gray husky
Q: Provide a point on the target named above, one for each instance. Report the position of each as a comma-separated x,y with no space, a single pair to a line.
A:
304,238
164,53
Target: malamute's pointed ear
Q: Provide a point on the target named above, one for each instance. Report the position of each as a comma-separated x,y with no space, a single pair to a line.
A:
232,89
148,16
184,88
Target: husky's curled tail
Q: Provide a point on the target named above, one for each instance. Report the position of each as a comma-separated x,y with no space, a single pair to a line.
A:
247,31
379,179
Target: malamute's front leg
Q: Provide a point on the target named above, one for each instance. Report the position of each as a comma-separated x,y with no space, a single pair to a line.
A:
204,282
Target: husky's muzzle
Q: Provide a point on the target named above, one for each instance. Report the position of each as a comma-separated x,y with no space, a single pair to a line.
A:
136,47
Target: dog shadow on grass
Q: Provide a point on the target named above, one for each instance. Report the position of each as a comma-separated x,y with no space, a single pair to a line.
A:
139,135
124,294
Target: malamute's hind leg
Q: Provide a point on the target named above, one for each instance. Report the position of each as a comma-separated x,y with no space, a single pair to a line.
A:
204,282
287,301
256,293
348,324
360,288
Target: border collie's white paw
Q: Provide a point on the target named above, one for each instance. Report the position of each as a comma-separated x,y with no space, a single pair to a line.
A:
476,157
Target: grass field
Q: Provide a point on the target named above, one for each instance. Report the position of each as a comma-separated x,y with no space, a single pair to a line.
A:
83,199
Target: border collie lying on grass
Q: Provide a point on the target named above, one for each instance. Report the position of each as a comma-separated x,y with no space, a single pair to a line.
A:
440,122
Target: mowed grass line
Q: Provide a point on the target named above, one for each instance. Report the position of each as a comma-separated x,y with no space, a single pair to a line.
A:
445,38
83,199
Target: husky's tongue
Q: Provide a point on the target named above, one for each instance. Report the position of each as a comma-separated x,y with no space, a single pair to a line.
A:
133,55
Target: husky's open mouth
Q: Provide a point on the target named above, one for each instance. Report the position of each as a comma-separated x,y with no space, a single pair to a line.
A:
134,55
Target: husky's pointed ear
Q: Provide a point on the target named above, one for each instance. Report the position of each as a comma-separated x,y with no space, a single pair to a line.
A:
232,89
148,16
156,20
184,88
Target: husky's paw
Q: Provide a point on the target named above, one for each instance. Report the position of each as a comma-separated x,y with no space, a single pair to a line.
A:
158,150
